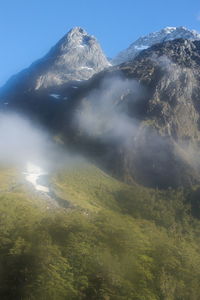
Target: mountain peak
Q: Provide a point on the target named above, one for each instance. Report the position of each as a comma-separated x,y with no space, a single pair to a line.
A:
169,29
144,42
76,37
75,32
193,34
78,30
77,56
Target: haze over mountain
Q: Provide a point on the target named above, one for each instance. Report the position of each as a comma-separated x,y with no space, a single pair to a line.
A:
144,116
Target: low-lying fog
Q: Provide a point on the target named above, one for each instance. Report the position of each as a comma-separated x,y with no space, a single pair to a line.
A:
31,149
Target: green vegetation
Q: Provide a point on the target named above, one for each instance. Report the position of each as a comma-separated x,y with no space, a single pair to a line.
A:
117,242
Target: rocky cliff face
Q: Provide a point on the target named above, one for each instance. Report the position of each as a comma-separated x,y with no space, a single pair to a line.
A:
77,56
150,128
139,120
166,34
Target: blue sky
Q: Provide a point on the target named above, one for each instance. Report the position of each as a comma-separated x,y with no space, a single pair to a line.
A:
28,28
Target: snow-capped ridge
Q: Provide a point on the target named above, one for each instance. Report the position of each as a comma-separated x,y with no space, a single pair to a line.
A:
144,42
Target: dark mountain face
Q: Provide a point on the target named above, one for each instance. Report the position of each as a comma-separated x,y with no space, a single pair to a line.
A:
139,120
170,72
153,135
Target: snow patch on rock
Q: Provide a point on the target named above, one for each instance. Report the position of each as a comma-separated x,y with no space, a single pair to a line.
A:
56,96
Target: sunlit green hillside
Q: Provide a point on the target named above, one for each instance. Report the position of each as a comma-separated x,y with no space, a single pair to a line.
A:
113,242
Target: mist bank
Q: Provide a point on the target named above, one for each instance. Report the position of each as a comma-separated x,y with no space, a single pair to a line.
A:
140,120
23,141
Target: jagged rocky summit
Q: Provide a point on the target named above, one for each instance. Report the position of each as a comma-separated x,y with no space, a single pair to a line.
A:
77,56
166,34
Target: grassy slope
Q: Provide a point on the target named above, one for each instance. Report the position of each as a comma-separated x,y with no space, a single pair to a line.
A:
119,241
